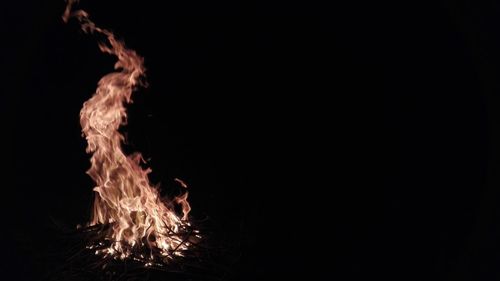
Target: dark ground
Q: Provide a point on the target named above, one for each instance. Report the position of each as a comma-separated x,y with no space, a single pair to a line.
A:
327,143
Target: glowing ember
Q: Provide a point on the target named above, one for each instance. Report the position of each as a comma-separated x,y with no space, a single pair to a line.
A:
125,199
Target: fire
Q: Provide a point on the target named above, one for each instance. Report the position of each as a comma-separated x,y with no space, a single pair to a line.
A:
124,197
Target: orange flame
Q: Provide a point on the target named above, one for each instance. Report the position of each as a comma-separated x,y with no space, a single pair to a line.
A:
124,196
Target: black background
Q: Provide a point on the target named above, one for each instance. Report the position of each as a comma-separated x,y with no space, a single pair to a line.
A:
341,142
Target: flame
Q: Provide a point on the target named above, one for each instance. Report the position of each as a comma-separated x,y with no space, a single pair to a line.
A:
124,197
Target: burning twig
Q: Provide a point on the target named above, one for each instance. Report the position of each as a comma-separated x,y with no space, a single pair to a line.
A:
129,219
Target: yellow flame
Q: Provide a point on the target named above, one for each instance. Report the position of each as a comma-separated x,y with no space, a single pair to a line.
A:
124,196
